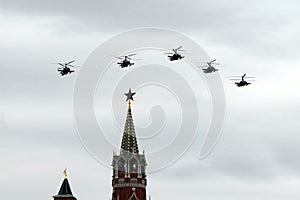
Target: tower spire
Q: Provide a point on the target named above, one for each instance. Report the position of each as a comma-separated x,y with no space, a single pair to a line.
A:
65,192
129,141
129,168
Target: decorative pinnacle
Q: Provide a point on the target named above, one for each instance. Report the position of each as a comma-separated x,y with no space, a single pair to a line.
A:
65,173
129,95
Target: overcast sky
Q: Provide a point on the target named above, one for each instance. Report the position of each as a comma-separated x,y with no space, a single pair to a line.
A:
257,156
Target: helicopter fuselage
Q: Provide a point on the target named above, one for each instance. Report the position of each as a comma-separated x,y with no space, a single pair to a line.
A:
209,69
175,56
65,71
242,83
125,63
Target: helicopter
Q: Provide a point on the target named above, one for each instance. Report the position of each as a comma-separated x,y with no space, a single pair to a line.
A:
125,60
210,67
65,68
242,82
175,55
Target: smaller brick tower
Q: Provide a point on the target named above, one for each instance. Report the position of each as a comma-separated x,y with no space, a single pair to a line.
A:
64,192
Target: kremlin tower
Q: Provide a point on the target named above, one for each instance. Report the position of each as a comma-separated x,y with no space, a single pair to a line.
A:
129,167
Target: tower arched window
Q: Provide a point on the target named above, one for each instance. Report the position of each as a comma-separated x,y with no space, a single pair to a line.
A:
121,165
133,165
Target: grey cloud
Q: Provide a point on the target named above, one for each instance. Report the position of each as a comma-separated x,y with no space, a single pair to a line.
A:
265,28
3,123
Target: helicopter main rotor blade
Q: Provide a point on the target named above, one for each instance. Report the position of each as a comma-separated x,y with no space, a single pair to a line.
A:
168,53
118,57
132,54
58,64
240,76
203,62
179,48
234,79
70,62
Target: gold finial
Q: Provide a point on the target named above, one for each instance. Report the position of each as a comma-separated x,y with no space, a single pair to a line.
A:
65,173
129,104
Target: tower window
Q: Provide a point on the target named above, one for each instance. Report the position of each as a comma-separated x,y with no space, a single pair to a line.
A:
133,165
121,165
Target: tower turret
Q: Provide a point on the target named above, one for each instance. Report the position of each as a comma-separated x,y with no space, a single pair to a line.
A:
65,192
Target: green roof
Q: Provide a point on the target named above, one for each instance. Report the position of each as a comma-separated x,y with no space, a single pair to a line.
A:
64,195
129,141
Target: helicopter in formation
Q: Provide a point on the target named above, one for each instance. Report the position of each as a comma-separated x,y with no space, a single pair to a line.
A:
242,82
175,55
65,68
210,67
125,60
